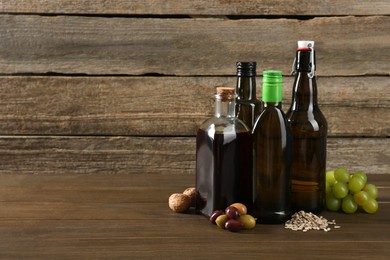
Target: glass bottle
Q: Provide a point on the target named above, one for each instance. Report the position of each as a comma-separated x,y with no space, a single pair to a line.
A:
272,150
223,158
248,107
309,130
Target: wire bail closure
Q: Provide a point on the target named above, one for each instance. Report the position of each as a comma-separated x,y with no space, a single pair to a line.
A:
312,73
293,70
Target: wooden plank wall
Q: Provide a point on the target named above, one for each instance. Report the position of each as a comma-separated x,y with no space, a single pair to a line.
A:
120,86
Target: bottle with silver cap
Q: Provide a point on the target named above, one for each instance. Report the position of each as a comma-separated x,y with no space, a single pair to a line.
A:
309,131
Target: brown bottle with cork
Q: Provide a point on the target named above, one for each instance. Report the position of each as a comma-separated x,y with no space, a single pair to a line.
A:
309,130
223,158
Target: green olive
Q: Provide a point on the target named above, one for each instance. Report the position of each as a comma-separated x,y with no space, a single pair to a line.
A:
248,221
221,220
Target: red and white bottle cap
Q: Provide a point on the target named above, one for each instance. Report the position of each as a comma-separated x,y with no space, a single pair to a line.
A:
305,44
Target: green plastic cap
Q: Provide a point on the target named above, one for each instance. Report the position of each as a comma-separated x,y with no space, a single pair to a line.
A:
272,86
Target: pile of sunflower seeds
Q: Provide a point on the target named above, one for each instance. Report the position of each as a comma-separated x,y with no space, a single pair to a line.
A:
308,221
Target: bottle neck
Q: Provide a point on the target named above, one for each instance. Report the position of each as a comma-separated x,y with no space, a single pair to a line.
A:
305,86
225,108
272,104
305,61
304,92
246,88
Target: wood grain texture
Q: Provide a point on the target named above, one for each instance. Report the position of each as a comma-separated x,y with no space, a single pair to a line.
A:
98,45
200,7
175,106
41,217
163,155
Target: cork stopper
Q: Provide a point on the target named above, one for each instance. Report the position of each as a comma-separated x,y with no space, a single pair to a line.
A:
226,93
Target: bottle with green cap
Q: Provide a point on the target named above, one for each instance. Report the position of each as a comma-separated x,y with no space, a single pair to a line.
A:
272,152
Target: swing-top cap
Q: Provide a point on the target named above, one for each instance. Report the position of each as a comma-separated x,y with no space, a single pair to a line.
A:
305,44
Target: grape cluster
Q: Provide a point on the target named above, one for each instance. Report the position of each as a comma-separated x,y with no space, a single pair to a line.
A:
349,191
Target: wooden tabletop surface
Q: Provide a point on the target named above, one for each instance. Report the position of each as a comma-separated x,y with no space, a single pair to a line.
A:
127,216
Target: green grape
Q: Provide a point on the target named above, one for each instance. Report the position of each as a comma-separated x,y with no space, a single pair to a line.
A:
362,175
371,206
361,197
330,178
341,175
356,183
340,190
371,190
332,203
348,204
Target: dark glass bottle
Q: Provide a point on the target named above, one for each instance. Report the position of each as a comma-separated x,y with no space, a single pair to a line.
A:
248,107
309,130
223,158
272,150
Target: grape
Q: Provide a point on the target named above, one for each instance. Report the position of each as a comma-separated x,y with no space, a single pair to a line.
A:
332,203
349,205
341,175
330,178
371,206
371,190
361,197
361,175
356,183
340,190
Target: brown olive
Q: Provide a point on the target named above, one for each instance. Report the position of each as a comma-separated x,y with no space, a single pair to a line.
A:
215,215
232,212
233,225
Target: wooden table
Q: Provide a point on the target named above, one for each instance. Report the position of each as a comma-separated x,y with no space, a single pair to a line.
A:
112,216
